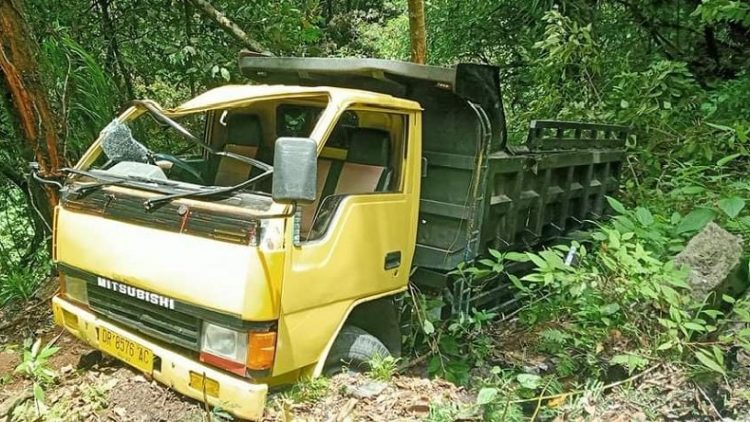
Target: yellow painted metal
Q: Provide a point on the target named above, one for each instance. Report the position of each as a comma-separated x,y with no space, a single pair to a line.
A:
238,95
310,289
233,96
201,382
326,277
226,277
236,395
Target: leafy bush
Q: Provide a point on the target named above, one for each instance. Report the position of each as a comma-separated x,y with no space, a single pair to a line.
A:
35,367
18,284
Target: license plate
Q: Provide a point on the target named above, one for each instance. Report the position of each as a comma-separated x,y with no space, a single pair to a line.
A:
130,352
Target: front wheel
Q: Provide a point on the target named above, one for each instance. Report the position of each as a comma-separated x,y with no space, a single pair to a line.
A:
353,349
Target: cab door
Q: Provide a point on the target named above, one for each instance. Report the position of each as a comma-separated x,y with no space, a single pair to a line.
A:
361,240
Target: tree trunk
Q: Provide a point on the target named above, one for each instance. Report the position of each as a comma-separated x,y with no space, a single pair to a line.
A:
417,33
188,15
110,35
228,26
36,124
712,48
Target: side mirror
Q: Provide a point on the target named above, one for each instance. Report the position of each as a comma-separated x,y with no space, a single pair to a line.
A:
295,168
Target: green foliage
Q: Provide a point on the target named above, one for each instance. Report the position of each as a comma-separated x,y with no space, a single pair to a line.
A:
630,361
35,367
382,368
307,390
716,11
17,284
84,93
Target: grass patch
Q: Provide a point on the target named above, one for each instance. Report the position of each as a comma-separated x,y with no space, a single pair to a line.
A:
382,368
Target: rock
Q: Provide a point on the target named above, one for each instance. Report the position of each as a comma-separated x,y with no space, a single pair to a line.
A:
90,359
536,369
367,390
713,258
422,408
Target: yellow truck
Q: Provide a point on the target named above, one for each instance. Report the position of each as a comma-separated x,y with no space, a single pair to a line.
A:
259,233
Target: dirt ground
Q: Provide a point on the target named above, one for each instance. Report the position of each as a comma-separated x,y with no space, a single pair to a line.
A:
93,387
88,386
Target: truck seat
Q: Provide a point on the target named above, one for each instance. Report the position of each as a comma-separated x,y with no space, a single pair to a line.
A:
365,170
244,135
367,167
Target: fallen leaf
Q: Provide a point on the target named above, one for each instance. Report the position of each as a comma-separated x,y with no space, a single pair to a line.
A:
109,384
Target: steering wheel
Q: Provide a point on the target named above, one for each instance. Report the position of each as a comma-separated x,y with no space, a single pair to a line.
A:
182,165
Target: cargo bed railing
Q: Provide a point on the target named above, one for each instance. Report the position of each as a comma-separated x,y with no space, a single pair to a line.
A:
532,194
550,135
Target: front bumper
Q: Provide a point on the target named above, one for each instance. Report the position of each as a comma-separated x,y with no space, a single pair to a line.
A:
236,395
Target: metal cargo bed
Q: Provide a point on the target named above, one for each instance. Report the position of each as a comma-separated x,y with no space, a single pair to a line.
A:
518,197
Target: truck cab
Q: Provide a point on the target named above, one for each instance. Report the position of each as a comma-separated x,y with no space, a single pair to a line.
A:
258,233
234,290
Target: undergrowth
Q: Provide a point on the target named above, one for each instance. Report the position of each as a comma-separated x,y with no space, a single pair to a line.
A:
604,310
597,312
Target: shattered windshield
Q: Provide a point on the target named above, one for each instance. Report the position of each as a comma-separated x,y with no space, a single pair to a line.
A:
225,148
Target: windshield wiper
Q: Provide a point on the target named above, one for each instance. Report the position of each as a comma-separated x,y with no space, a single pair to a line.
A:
266,168
106,180
154,110
150,204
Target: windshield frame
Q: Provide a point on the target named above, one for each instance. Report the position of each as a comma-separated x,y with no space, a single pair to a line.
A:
138,109
176,189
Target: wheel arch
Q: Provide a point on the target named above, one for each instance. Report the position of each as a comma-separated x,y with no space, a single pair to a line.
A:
378,316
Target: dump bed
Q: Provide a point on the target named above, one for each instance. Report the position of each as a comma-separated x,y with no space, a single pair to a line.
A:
477,192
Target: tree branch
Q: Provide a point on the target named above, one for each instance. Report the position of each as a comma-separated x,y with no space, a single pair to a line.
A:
229,27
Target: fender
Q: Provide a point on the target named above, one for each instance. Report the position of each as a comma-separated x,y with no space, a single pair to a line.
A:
319,366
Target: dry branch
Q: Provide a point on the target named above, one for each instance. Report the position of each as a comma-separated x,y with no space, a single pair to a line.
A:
576,392
6,407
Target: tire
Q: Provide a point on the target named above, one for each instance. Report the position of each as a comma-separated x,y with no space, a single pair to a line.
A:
353,349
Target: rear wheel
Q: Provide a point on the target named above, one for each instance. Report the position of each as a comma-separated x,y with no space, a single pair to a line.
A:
353,349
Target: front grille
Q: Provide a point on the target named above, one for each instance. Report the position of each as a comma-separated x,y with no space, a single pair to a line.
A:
235,226
165,324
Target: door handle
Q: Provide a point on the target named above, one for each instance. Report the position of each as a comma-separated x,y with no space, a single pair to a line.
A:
392,260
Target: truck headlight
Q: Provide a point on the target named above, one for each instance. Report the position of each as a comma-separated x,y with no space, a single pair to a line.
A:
224,343
75,288
237,351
